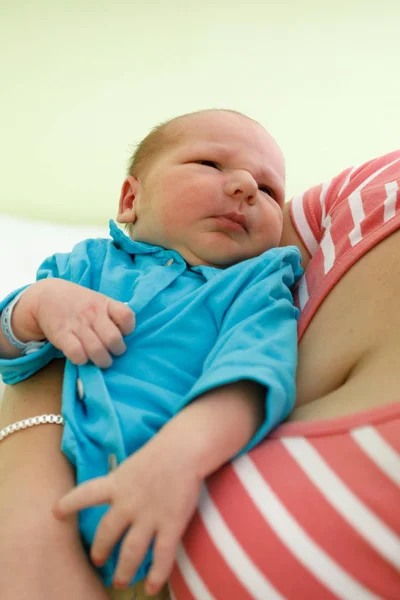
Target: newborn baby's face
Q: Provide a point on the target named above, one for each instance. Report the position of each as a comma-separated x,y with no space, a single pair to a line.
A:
216,194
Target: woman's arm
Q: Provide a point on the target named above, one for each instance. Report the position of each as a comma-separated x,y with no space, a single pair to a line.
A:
39,556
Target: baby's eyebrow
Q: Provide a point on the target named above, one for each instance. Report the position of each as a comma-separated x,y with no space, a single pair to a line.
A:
212,147
269,174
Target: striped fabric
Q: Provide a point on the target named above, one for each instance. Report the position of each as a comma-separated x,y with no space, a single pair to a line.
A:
313,513
341,220
298,517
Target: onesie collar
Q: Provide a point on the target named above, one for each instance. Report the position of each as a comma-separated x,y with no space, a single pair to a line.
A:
130,246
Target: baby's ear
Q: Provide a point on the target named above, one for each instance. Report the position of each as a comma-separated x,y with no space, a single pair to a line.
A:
126,209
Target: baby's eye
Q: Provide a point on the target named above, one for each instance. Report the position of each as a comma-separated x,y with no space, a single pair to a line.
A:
208,163
266,190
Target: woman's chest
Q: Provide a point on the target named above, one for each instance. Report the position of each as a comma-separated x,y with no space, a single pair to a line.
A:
356,330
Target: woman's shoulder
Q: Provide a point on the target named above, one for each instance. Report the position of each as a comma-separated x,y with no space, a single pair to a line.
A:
309,215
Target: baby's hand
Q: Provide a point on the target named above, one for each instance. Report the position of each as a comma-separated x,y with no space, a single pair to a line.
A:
83,324
152,495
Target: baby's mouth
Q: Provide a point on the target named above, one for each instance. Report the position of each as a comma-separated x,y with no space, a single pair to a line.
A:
232,220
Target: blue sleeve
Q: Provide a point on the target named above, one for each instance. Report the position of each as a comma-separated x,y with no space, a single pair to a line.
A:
258,338
76,267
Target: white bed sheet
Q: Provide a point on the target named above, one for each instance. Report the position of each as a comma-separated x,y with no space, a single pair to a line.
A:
25,244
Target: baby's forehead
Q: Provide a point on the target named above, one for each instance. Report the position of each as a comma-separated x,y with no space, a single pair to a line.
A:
221,129
226,133
216,139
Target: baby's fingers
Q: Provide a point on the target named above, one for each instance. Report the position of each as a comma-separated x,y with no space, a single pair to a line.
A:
97,491
133,549
122,315
163,561
109,531
110,335
72,347
83,345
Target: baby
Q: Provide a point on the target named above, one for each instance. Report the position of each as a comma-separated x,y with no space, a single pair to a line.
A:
180,338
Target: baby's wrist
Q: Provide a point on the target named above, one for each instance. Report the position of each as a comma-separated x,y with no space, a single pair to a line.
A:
24,321
187,448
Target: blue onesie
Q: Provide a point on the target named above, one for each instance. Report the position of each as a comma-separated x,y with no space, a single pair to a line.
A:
197,328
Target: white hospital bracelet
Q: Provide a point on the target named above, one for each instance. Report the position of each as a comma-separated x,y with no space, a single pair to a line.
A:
24,347
41,420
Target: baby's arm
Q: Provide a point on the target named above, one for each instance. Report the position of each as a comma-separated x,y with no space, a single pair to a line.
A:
154,492
83,324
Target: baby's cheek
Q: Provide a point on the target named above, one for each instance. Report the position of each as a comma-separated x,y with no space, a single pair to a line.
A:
179,216
268,236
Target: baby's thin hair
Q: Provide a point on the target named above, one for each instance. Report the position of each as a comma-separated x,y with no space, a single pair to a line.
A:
156,141
160,137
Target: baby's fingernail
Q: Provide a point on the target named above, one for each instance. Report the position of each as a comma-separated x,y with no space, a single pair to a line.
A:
119,584
151,588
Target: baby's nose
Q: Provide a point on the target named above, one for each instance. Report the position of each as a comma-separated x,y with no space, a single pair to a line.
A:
242,186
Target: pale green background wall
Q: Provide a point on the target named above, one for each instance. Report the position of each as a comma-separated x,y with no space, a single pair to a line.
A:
83,81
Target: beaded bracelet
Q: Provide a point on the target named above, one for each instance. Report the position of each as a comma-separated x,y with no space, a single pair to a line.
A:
41,420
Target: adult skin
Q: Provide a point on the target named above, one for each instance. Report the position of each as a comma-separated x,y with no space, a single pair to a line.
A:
347,363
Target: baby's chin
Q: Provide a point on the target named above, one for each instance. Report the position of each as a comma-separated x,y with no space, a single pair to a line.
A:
219,250
219,261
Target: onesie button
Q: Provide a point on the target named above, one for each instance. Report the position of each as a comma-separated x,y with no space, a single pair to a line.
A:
112,463
169,262
80,389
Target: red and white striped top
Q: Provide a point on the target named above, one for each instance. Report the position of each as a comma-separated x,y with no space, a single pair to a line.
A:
340,221
312,513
